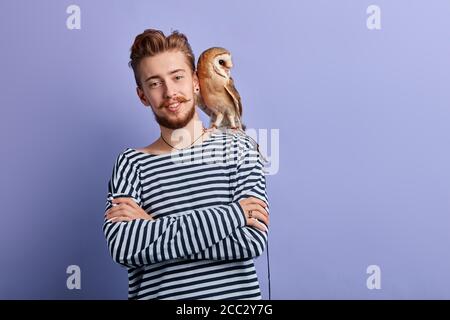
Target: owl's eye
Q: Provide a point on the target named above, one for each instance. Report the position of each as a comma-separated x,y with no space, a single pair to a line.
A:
221,62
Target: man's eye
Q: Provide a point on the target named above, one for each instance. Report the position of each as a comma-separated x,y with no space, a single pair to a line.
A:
179,77
155,84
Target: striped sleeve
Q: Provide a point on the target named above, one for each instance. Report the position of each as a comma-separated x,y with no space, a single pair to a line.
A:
244,242
142,242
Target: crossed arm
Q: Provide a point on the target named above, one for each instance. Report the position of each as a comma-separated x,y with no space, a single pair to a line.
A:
125,209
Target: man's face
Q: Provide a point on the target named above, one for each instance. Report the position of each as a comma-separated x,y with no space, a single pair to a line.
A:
167,85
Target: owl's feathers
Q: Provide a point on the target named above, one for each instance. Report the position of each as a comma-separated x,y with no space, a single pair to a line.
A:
231,89
219,98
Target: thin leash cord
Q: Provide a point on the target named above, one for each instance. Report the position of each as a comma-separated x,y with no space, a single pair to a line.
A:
264,160
268,268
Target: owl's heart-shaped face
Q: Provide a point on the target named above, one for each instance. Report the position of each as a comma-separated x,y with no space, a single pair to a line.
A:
222,64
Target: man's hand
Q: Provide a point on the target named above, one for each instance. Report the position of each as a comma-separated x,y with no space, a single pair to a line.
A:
255,212
126,209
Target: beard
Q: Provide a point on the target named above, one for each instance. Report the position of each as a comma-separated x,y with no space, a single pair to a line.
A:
178,121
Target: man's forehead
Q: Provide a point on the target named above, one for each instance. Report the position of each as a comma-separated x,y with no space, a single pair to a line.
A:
163,64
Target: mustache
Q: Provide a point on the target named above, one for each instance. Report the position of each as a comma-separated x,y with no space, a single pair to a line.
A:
179,99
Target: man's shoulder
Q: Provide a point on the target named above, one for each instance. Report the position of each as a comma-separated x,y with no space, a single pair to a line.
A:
126,158
237,138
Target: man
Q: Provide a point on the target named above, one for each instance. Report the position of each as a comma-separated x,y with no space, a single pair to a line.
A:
188,213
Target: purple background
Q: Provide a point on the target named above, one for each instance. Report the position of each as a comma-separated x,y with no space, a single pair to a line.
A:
364,138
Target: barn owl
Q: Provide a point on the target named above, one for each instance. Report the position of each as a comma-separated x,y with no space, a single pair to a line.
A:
218,97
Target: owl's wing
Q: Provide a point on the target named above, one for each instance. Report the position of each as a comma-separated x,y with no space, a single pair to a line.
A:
235,96
201,104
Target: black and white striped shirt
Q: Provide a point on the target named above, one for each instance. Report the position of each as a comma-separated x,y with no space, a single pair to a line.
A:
198,246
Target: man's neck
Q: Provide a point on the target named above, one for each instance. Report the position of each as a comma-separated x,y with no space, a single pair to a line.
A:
183,137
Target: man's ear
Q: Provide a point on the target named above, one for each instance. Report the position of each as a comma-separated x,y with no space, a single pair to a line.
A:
142,97
195,80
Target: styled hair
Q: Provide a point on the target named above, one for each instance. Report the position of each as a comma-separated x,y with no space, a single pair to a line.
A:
152,42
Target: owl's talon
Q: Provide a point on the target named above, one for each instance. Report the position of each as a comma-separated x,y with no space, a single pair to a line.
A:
213,128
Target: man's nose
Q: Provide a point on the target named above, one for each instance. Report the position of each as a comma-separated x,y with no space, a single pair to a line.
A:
170,90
